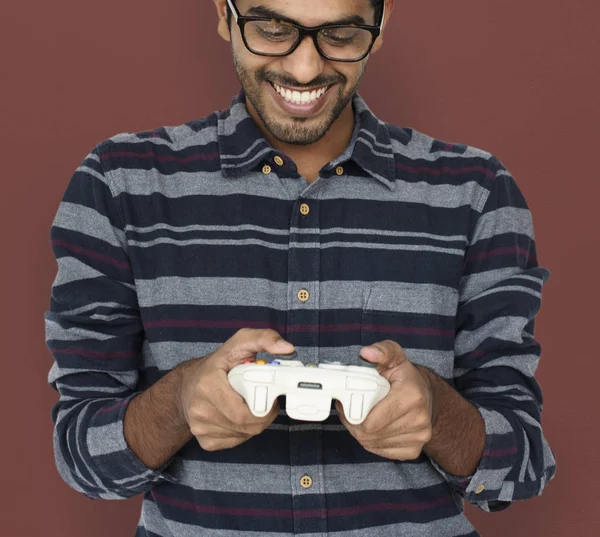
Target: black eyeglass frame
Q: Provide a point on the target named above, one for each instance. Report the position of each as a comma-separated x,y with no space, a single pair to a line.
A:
303,31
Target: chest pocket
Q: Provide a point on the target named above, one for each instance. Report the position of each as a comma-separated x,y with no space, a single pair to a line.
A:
419,317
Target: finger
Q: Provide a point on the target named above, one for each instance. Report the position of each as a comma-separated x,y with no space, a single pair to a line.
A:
386,353
239,416
246,342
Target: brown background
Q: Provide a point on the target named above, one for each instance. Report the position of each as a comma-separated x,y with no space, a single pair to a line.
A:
518,78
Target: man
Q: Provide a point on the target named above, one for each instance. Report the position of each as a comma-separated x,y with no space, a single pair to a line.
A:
187,250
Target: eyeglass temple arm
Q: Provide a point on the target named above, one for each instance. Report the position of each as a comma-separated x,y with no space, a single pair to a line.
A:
382,15
233,9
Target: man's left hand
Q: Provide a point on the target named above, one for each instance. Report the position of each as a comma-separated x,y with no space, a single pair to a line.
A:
401,423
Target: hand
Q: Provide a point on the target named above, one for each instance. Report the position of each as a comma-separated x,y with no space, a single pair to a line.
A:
401,423
217,415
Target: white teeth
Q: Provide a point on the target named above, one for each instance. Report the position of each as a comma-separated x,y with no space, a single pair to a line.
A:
297,97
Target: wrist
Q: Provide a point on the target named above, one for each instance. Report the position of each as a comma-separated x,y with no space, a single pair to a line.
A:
183,373
431,380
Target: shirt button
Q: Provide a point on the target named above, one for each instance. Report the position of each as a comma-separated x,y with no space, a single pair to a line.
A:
278,160
304,209
339,170
266,169
306,481
479,489
303,295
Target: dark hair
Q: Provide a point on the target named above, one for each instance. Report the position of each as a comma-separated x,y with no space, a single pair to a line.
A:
377,6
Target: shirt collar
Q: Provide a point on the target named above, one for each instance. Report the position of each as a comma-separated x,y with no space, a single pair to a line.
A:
243,147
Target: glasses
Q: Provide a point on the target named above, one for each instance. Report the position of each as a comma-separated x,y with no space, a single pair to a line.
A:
336,42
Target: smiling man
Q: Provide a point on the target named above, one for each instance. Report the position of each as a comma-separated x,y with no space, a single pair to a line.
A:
296,213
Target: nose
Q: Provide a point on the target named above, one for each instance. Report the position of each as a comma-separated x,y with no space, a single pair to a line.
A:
305,63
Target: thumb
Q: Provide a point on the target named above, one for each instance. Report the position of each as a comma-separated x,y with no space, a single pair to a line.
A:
246,342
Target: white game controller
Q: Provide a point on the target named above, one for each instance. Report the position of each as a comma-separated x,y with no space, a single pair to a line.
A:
309,389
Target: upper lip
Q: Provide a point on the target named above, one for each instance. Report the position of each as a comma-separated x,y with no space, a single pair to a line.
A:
326,86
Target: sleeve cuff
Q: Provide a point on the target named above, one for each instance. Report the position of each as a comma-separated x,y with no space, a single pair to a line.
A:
114,460
487,487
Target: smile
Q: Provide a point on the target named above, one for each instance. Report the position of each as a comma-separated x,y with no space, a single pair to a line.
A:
300,97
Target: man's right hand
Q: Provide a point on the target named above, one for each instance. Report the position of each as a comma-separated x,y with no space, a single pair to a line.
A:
217,415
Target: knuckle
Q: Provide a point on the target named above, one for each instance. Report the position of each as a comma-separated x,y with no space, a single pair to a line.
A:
414,453
426,435
208,444
239,415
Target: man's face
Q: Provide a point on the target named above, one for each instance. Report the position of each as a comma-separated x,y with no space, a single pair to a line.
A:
334,83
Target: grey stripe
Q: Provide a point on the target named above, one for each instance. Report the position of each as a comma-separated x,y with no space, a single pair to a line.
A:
91,307
182,136
505,328
472,284
526,363
506,288
525,457
139,182
295,230
495,423
338,478
71,269
90,171
292,244
504,220
387,147
335,294
106,439
112,390
55,331
244,155
89,222
373,150
504,388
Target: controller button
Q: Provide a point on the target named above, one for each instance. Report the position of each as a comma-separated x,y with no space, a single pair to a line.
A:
356,404
311,365
353,383
261,362
260,398
253,375
248,362
275,362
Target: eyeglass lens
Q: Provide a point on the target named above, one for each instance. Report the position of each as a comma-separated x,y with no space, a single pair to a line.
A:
273,37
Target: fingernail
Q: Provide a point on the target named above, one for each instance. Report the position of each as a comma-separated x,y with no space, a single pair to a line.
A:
282,342
375,351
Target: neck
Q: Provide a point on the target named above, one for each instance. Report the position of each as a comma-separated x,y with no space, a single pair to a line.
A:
309,159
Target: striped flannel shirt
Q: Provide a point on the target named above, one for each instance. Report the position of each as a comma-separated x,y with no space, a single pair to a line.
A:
169,241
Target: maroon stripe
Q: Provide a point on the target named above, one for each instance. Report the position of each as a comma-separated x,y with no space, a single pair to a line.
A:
115,407
424,331
190,323
161,158
448,147
500,251
299,513
92,254
93,354
504,452
355,510
445,169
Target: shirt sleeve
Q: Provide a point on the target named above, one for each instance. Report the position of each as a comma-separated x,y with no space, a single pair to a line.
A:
496,354
94,332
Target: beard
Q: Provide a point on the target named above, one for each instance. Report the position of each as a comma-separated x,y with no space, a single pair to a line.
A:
294,130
